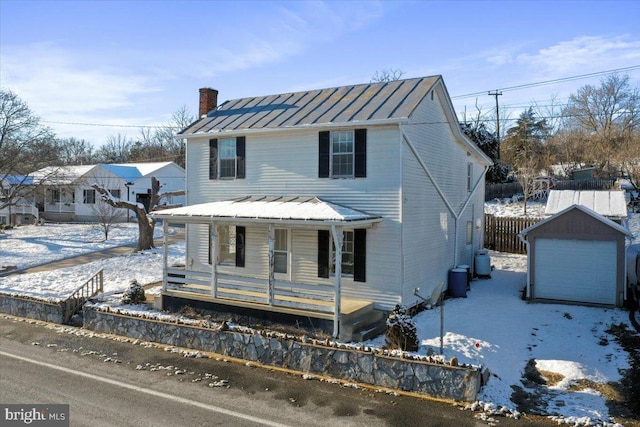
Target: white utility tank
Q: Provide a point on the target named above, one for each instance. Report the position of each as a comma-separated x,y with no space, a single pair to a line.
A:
483,263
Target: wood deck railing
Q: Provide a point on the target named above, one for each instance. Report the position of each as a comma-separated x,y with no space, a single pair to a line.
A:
319,298
91,288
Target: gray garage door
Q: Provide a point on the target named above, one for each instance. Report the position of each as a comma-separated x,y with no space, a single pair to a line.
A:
576,270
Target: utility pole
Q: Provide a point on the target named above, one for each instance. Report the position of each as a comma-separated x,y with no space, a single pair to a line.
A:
497,94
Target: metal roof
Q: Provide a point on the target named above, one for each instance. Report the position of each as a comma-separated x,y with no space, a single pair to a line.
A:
611,204
282,209
394,100
584,209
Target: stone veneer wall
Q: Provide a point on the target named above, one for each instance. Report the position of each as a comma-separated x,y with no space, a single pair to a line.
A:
33,309
344,363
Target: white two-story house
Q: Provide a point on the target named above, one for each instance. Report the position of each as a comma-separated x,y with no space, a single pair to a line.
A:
327,204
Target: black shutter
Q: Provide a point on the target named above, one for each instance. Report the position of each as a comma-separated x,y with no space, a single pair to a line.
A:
240,155
360,148
240,244
213,159
323,253
360,255
323,157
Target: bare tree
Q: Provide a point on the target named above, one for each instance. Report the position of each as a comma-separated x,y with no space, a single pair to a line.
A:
25,146
146,224
605,119
116,150
387,75
75,151
109,217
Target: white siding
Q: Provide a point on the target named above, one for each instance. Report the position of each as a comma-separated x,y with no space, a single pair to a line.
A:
286,163
103,177
428,225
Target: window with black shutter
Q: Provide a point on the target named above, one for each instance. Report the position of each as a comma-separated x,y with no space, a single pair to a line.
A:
342,154
227,158
354,252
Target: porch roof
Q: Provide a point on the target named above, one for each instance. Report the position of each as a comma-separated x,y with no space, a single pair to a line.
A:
293,210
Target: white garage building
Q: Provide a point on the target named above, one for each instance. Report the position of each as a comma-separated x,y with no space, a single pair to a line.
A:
578,256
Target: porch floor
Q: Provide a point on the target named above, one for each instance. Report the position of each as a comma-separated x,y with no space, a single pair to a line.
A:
349,307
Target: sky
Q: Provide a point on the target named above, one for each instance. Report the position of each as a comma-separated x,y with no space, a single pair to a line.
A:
94,69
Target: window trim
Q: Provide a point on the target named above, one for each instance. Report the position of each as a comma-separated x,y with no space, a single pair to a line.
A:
286,251
215,158
326,154
85,198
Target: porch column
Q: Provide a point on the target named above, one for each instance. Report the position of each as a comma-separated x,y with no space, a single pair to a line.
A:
165,253
336,232
213,238
272,239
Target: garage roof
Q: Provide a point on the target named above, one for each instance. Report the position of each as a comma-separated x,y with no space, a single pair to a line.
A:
584,209
611,204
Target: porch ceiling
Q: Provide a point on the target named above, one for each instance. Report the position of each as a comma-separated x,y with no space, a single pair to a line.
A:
292,210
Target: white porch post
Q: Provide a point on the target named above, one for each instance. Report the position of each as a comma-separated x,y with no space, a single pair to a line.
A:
336,232
272,239
165,253
213,249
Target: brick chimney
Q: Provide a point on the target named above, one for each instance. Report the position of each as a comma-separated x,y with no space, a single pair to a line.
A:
208,100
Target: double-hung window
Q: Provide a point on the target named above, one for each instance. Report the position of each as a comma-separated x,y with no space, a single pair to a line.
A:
227,158
89,197
342,154
281,251
347,255
230,246
115,193
354,252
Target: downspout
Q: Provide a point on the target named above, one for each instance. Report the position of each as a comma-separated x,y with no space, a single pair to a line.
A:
527,245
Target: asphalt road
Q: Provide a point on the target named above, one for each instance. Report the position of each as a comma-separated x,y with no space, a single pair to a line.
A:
111,382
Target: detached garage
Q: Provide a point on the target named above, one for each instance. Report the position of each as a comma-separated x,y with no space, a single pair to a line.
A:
577,256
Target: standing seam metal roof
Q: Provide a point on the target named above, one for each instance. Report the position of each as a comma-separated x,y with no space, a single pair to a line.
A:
358,103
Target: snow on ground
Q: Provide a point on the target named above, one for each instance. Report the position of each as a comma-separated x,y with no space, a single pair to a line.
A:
30,245
493,326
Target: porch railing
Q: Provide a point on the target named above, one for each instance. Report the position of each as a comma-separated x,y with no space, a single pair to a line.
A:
319,298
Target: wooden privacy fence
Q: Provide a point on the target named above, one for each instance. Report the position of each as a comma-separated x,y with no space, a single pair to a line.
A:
501,233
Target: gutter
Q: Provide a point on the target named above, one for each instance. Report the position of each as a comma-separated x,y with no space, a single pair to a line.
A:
247,131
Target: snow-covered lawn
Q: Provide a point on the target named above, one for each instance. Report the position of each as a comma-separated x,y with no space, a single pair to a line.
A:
493,326
30,245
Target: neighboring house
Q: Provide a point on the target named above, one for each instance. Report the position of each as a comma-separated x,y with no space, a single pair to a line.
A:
67,193
576,255
17,201
327,204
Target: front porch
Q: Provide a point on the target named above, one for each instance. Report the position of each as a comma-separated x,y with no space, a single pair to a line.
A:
262,290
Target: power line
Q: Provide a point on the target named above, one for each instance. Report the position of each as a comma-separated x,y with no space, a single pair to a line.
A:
548,82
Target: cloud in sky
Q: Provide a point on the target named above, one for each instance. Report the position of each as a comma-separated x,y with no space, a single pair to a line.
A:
584,53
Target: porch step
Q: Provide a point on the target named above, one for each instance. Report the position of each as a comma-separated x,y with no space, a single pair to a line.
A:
367,324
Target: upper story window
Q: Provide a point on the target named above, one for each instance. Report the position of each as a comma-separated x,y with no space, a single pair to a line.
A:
227,158
342,154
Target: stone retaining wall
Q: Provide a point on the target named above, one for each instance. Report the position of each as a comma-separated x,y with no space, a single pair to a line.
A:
33,309
344,363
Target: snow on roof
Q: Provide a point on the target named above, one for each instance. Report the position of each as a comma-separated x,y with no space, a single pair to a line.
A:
611,204
61,175
584,209
281,208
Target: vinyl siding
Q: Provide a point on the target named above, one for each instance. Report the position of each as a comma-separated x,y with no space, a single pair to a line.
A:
286,163
428,225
